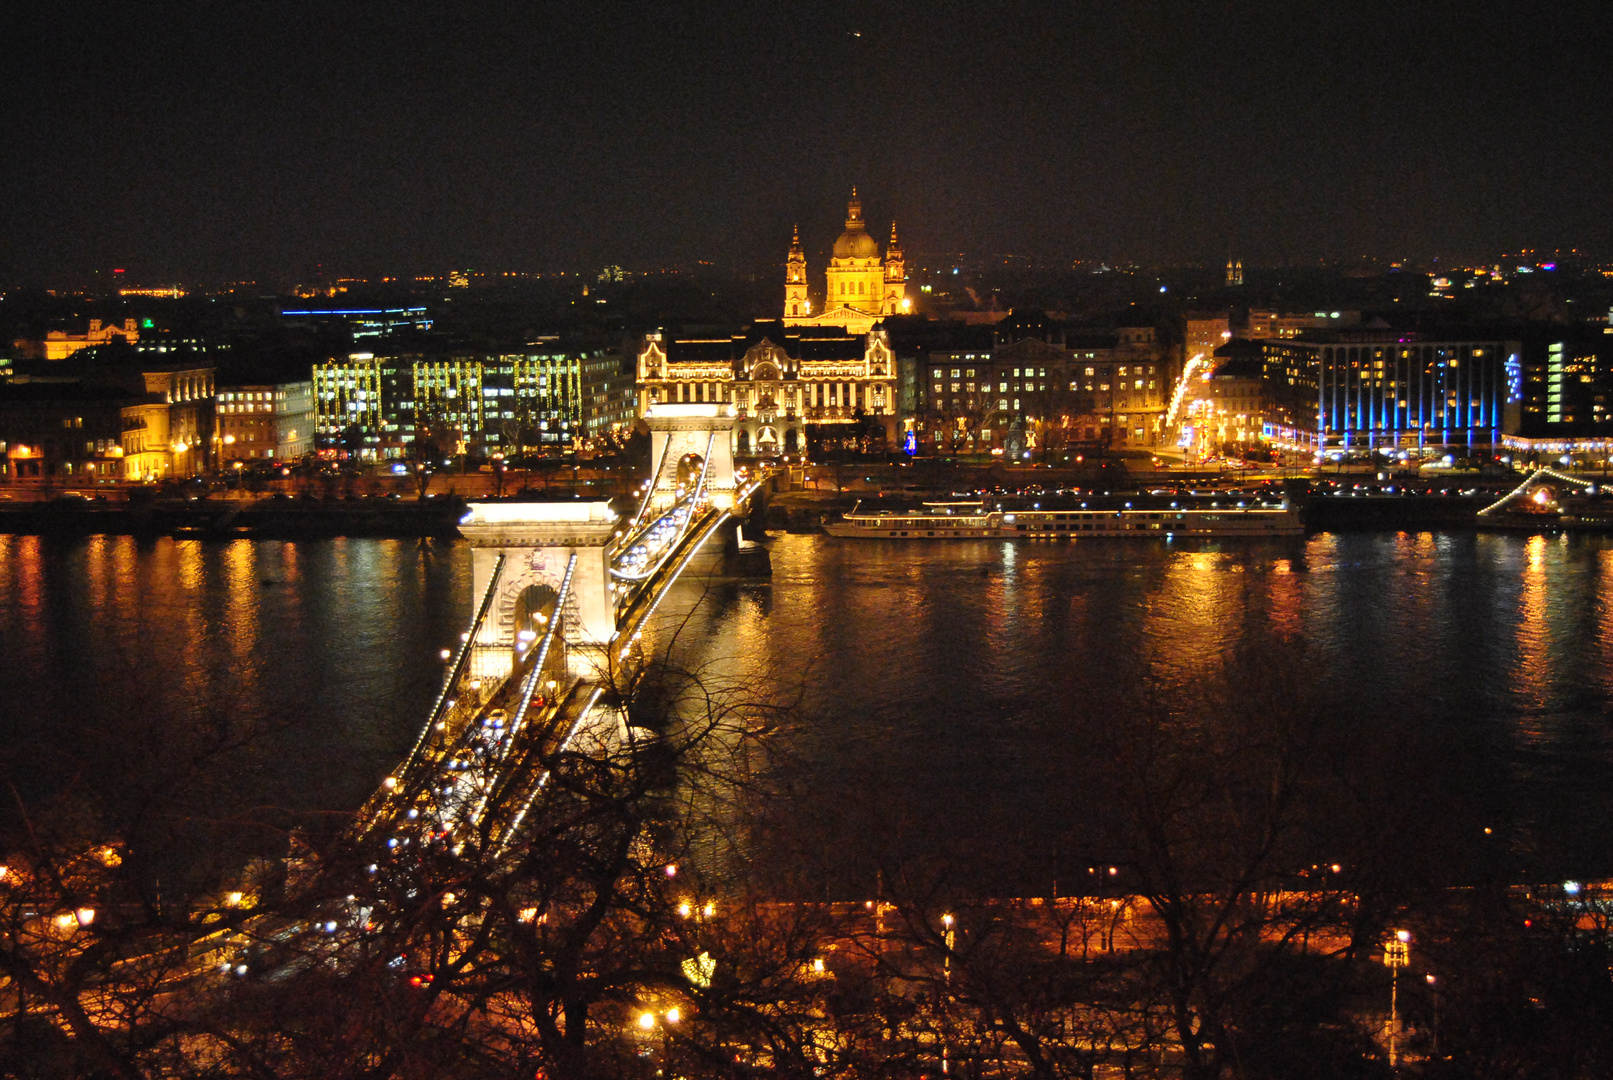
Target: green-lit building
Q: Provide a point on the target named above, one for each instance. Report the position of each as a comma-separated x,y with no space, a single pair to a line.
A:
542,400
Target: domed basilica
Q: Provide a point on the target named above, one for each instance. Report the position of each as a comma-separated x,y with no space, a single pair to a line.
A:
861,288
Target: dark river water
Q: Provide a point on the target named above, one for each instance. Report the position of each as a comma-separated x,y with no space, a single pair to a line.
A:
205,690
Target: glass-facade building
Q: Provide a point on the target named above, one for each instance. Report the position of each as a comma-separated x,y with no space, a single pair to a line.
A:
474,404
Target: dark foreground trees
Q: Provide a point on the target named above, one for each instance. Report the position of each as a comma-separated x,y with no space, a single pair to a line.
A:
1233,894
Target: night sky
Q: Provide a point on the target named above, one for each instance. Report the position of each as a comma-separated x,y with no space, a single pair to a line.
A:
209,141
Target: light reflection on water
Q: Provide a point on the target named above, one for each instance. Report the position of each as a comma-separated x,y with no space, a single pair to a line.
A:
249,680
957,680
953,678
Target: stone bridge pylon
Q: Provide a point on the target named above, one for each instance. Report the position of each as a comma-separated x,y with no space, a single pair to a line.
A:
682,438
538,541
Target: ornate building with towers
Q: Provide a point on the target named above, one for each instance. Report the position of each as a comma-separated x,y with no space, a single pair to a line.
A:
861,287
825,373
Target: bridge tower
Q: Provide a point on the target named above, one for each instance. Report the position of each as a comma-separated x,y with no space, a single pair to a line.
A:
538,541
681,437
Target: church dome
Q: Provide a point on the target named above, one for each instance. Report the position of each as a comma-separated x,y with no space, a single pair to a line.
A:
855,243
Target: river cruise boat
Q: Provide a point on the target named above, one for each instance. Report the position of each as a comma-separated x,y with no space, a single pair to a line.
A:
977,520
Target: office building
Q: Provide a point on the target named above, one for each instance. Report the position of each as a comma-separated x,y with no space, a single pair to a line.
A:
1383,389
266,421
351,417
547,399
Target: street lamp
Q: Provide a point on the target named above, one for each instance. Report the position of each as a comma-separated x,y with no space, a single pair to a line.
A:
947,938
1396,954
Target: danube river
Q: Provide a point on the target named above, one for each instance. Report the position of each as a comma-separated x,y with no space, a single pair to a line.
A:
954,692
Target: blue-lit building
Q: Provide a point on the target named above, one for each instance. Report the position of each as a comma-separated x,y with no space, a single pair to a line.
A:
362,322
1395,390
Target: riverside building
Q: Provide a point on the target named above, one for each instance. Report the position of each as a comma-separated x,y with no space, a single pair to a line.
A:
1029,385
266,421
549,399
786,383
170,433
1397,390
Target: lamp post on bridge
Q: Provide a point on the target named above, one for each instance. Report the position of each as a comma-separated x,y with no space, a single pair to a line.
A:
1396,955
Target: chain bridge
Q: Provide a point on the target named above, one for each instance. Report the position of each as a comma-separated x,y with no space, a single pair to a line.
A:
563,591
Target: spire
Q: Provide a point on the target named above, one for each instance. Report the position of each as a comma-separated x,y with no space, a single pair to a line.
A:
854,210
895,273
796,263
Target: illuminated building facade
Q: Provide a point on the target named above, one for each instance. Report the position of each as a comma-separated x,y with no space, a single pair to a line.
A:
1566,382
170,434
609,396
554,401
1027,386
59,344
1394,390
350,417
266,422
788,384
861,286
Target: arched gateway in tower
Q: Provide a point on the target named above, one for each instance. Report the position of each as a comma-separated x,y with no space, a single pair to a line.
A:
691,434
553,559
538,541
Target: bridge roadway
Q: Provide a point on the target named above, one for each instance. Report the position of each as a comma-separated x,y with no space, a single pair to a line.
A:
482,759
484,755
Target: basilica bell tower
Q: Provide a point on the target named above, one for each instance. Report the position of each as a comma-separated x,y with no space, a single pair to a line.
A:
795,282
